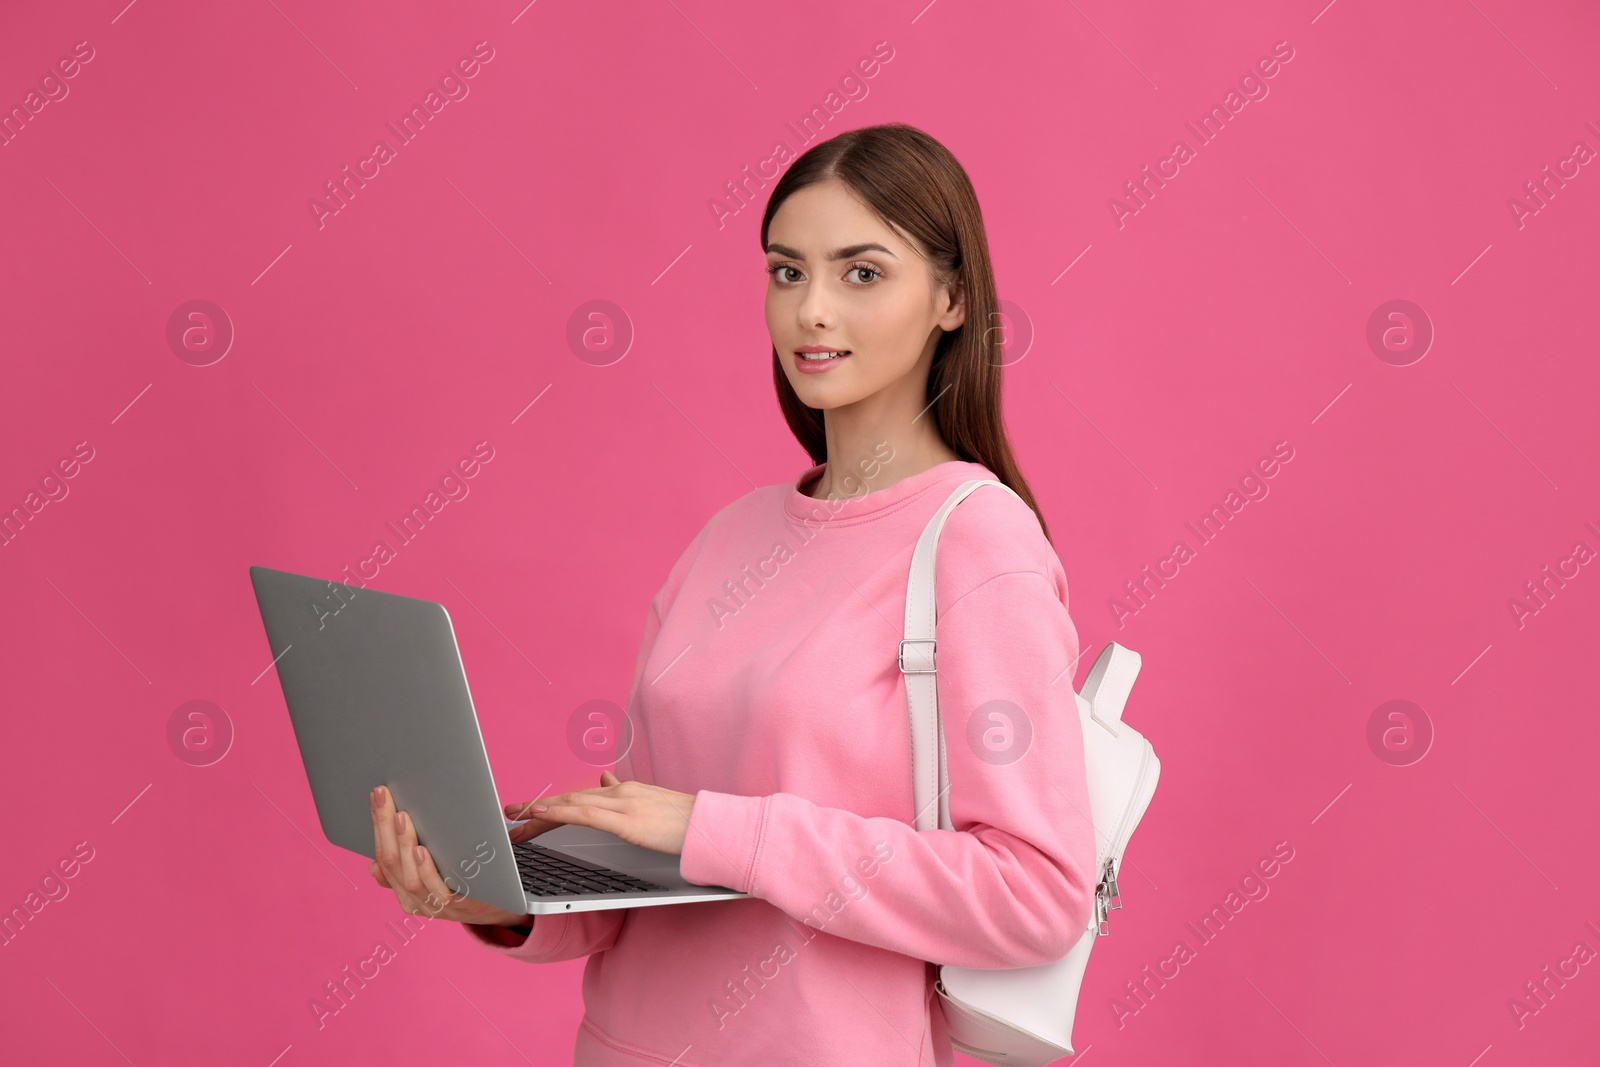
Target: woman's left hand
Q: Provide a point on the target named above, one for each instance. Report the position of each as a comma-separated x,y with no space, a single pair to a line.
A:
639,813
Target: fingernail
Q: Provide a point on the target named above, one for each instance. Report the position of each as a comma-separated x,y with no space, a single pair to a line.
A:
538,807
421,855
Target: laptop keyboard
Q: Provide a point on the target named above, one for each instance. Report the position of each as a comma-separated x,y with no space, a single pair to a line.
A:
552,874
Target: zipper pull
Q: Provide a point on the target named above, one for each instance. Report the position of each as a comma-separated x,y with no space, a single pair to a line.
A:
1102,928
1111,884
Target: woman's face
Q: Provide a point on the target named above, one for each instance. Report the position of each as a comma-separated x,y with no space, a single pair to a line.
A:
843,280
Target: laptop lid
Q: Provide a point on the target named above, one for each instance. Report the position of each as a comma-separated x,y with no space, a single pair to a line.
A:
377,695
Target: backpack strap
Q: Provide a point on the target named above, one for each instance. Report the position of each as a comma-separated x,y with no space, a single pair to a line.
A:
929,775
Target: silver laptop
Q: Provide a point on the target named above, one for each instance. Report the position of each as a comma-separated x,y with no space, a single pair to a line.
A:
377,695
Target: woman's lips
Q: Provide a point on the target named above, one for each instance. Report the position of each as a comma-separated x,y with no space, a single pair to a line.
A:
818,366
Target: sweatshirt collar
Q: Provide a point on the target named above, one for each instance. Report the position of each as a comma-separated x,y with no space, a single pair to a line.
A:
867,501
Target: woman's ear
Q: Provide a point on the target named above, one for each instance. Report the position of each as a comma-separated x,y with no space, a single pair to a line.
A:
956,313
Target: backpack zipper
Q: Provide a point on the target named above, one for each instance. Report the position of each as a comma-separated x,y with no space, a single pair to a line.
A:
1107,898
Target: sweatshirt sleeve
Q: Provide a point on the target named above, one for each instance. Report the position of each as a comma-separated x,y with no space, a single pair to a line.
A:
554,937
564,936
1013,884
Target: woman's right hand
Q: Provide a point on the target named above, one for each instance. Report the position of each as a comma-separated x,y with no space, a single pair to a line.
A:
407,868
535,825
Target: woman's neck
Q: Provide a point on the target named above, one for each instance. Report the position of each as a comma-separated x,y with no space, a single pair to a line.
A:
875,471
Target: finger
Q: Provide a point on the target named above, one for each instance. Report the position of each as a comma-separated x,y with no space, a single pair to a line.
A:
614,780
609,796
410,880
598,801
378,875
607,819
372,800
388,852
530,829
520,810
530,825
439,895
534,809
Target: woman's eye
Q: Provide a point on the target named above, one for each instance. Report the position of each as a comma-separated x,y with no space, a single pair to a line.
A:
864,275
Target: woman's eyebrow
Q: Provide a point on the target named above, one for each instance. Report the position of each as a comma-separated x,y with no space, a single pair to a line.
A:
842,253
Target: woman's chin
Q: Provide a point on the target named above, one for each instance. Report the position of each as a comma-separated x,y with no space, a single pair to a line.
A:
823,397
831,388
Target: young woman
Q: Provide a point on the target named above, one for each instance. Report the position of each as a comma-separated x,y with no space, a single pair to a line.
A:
772,745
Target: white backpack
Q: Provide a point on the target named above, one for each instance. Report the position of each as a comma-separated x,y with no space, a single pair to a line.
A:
1024,1015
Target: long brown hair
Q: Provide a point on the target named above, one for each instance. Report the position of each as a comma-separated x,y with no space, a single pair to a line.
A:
914,184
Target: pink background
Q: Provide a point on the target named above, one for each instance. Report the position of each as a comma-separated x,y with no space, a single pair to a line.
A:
1230,313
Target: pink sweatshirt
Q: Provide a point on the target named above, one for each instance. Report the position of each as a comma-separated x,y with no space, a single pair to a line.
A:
766,684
